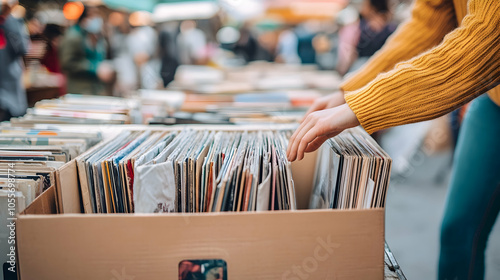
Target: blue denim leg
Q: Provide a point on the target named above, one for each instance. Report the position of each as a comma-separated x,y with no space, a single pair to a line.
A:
473,200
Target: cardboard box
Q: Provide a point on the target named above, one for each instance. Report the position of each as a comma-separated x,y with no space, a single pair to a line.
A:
302,244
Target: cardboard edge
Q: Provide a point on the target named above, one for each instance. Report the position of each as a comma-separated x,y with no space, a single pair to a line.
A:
68,188
45,203
28,216
375,217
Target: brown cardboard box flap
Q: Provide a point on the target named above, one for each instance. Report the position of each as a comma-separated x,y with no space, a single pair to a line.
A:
319,244
43,204
68,189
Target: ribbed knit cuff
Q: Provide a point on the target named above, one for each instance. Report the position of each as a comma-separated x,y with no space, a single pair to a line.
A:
360,107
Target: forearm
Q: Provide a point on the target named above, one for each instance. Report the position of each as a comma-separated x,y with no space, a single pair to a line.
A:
465,65
428,25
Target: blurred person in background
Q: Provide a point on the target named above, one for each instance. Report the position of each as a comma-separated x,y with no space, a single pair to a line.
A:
168,52
14,42
268,41
305,33
38,44
43,69
123,60
375,27
82,53
241,42
35,26
288,46
445,55
372,30
192,44
348,37
142,44
52,35
247,45
326,44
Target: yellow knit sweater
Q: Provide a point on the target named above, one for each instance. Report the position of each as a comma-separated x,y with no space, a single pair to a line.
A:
446,56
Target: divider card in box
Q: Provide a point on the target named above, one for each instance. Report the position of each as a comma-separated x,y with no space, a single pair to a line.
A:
188,171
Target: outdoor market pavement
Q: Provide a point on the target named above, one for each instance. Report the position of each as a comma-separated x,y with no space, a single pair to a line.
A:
413,215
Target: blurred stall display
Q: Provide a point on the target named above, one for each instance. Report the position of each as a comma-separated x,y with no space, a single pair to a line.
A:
256,93
269,24
52,16
40,83
81,109
190,118
140,18
225,87
228,35
184,10
243,10
322,80
254,107
191,75
19,143
296,11
201,102
257,76
29,161
132,5
36,94
168,10
73,10
160,103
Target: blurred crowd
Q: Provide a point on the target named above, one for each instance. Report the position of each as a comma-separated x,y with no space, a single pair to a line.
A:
93,49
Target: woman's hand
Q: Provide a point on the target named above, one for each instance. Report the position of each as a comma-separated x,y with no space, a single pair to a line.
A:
329,101
317,127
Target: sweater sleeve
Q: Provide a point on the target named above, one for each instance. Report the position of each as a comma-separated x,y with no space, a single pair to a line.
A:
431,20
465,65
